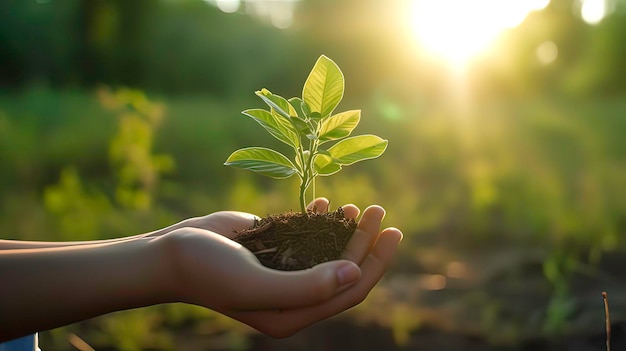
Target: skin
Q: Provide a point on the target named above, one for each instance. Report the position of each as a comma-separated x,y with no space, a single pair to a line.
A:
48,285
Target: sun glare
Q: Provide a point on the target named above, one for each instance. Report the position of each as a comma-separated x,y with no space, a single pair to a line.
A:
593,11
459,30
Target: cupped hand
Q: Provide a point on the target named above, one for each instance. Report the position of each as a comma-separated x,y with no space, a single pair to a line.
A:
213,271
369,248
228,223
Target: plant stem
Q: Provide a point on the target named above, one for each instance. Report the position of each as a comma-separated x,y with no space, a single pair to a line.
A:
607,321
303,187
313,145
312,186
303,178
308,174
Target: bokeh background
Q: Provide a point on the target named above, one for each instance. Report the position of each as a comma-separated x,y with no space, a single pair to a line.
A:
506,166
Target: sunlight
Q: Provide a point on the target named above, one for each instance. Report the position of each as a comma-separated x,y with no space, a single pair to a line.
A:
459,30
593,11
547,52
228,6
277,13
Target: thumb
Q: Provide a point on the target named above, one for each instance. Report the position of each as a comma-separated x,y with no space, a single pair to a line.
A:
279,289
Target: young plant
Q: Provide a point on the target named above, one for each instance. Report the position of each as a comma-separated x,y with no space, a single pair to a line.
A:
307,124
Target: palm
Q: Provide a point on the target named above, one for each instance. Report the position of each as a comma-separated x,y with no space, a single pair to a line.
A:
225,223
282,302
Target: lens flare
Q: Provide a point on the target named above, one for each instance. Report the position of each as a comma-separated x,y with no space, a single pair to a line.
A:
459,30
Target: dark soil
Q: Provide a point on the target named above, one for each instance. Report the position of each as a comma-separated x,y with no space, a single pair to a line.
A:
295,241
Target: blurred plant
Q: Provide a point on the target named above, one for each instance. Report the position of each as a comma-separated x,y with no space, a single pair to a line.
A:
403,322
557,268
298,122
82,212
79,212
136,166
134,330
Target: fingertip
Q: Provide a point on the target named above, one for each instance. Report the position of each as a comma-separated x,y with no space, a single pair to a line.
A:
326,280
350,211
375,211
320,204
322,199
371,218
387,244
393,232
306,287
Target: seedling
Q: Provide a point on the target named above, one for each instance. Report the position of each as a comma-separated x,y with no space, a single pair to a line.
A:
293,241
307,124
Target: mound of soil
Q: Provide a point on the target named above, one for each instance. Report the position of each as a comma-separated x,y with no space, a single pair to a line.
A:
294,240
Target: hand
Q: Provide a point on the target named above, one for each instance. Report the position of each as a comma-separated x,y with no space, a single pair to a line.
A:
225,223
213,271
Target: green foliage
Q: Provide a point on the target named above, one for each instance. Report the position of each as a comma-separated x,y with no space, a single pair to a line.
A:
80,208
544,174
78,211
305,124
522,165
558,269
134,330
130,152
83,211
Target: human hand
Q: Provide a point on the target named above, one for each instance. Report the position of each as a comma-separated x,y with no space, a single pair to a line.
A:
229,223
371,249
225,223
218,273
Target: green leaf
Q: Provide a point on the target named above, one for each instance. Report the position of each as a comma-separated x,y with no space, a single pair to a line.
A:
262,160
324,87
284,112
285,122
274,127
301,126
297,104
324,165
315,116
358,148
277,102
339,126
306,109
296,125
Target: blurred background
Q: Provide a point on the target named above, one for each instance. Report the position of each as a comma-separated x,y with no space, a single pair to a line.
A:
505,168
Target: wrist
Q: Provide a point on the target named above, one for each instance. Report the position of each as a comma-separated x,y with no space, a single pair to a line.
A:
136,272
185,253
164,274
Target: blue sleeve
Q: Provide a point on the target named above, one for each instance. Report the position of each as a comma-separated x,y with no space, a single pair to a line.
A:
25,343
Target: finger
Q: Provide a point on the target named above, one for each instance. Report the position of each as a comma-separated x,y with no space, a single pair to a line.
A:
365,234
275,289
350,211
319,205
284,323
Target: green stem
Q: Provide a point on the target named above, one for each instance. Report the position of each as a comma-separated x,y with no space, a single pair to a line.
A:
308,175
312,186
303,195
310,167
303,179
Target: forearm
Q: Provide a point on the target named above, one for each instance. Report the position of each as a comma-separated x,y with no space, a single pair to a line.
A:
52,287
25,245
21,244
